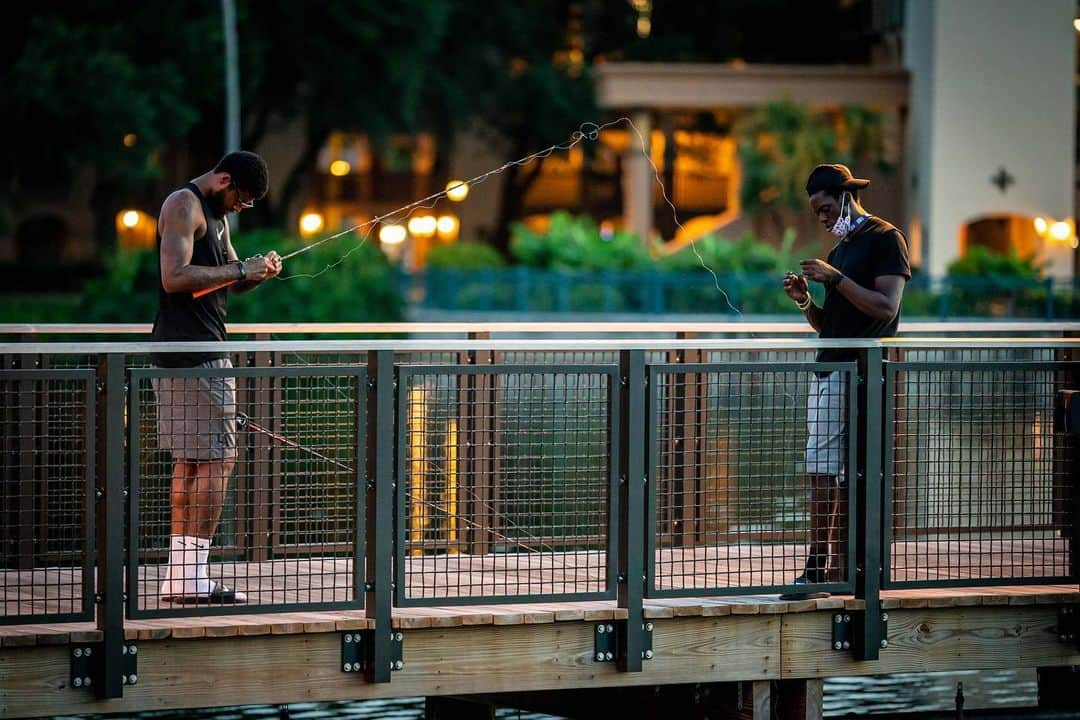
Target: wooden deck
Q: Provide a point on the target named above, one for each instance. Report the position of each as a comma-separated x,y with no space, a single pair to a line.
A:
259,658
512,575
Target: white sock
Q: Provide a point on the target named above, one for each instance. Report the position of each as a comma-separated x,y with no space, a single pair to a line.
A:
202,557
185,575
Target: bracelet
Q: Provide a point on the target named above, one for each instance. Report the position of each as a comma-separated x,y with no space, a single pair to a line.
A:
804,306
839,279
243,272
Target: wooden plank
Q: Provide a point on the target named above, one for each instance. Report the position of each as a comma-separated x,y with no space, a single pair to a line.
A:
222,631
929,640
465,660
757,701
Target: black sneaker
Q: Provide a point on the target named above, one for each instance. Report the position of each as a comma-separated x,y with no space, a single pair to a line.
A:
810,576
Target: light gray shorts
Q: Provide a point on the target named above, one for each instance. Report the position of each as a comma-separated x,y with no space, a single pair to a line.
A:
196,416
826,425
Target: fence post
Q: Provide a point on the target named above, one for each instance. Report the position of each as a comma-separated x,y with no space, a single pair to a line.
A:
379,525
1065,488
633,484
479,448
869,522
259,507
24,511
110,534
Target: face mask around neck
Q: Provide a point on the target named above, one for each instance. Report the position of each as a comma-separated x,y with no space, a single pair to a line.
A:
842,226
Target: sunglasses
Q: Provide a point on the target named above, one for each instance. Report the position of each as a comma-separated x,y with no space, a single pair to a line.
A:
244,203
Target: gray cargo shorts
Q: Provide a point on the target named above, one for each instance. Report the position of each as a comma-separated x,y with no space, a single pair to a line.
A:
196,416
826,423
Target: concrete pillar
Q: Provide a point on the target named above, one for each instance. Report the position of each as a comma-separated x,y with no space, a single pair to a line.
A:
639,177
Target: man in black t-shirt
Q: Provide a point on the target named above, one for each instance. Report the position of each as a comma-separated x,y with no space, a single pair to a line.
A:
864,277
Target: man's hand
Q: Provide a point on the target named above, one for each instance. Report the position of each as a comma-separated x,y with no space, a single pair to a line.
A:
820,271
262,267
796,287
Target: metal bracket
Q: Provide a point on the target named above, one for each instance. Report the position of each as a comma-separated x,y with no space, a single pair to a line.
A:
607,637
1068,618
357,648
848,624
87,663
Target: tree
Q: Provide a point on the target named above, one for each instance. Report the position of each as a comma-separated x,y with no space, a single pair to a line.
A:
780,143
76,84
334,65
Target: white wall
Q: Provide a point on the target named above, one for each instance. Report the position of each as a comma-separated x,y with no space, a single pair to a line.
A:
992,86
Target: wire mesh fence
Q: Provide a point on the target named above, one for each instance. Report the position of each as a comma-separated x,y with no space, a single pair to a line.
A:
507,469
244,488
980,479
47,491
751,465
505,478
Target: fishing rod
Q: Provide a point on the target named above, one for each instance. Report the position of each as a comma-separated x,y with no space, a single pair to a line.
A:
586,131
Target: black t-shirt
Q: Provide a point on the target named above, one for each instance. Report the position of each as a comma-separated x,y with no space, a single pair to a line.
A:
182,317
875,249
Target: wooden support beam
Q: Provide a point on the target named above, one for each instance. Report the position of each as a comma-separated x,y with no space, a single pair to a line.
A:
754,701
800,699
704,652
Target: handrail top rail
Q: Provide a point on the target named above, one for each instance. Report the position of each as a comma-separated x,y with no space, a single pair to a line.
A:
793,327
550,345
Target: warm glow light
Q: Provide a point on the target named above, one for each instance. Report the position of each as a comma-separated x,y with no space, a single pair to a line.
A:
423,226
311,223
392,234
457,190
447,227
644,27
1061,231
340,168
130,139
1041,226
130,218
1076,24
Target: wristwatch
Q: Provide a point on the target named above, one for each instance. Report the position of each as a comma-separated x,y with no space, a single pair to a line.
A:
839,279
243,272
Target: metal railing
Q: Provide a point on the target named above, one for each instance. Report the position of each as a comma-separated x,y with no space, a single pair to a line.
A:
380,473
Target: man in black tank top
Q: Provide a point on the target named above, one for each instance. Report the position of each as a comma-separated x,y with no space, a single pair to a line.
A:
197,414
864,278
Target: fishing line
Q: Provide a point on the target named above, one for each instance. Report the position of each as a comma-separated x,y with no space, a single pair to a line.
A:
586,131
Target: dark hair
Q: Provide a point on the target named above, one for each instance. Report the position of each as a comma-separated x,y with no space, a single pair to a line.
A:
248,171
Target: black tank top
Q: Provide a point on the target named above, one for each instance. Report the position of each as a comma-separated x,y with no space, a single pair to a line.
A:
182,317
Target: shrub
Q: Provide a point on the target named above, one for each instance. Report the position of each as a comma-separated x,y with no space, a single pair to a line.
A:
575,243
330,282
981,261
745,256
464,256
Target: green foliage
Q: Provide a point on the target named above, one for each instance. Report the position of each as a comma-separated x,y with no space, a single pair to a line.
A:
780,143
464,256
747,255
126,293
40,309
979,261
575,243
76,82
361,288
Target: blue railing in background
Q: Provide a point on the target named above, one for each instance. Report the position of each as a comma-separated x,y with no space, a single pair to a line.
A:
530,290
